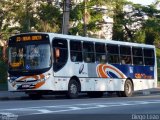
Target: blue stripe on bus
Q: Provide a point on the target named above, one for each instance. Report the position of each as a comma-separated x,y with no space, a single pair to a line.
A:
143,72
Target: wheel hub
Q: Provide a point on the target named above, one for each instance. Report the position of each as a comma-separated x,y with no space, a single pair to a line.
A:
73,89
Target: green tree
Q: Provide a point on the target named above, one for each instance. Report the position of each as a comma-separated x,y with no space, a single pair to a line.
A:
19,15
151,25
85,13
140,24
2,13
118,16
24,15
49,18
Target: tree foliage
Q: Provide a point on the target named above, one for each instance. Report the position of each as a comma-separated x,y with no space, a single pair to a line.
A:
140,24
23,15
49,18
84,15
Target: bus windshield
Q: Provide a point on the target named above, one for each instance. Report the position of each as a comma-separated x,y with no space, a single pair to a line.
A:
29,57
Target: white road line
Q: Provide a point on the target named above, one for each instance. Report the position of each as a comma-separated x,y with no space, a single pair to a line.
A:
101,106
74,107
45,111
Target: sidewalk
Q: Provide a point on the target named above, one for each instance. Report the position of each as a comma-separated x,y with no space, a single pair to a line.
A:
5,95
148,92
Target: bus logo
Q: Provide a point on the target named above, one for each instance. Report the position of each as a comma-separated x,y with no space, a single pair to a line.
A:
81,68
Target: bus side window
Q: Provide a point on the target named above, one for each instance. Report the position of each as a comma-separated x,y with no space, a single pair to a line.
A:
125,55
113,53
137,55
76,51
88,52
100,53
149,56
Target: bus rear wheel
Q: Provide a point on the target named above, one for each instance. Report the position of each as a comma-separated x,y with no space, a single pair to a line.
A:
128,89
73,89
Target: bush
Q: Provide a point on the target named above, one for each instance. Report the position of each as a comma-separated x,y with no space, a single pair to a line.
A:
3,69
3,72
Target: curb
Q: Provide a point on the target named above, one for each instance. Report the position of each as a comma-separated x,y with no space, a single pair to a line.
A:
148,92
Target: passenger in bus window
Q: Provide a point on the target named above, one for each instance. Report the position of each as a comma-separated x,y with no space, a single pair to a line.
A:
126,60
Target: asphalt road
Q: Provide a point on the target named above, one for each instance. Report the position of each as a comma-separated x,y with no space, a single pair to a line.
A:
138,107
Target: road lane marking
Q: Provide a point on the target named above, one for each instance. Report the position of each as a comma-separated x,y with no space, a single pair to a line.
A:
45,111
73,107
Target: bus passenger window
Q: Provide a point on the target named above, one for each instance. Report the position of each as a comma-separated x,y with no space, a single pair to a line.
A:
125,55
88,52
76,51
149,56
100,53
113,53
137,56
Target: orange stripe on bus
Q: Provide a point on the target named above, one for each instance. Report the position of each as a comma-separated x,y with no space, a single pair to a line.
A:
39,84
101,71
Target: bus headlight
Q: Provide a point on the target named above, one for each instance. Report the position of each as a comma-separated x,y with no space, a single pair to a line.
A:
46,77
8,78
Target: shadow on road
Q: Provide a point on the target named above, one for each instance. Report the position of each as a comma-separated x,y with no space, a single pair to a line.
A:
22,96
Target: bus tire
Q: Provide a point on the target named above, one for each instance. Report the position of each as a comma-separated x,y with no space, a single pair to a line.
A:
128,89
96,94
73,89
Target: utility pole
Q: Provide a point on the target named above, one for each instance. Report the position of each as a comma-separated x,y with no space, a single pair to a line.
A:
27,17
84,19
66,11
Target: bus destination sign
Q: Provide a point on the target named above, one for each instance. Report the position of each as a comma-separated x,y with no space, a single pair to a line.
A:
28,38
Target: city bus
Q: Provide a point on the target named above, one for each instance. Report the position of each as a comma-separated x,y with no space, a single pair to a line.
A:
50,63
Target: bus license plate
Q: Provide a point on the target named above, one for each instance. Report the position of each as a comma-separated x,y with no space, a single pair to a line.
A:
25,86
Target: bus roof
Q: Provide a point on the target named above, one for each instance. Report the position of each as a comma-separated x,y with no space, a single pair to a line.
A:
72,37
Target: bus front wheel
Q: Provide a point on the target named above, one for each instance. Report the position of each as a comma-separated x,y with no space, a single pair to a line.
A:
73,89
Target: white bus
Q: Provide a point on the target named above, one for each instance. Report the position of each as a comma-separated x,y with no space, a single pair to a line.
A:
42,63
